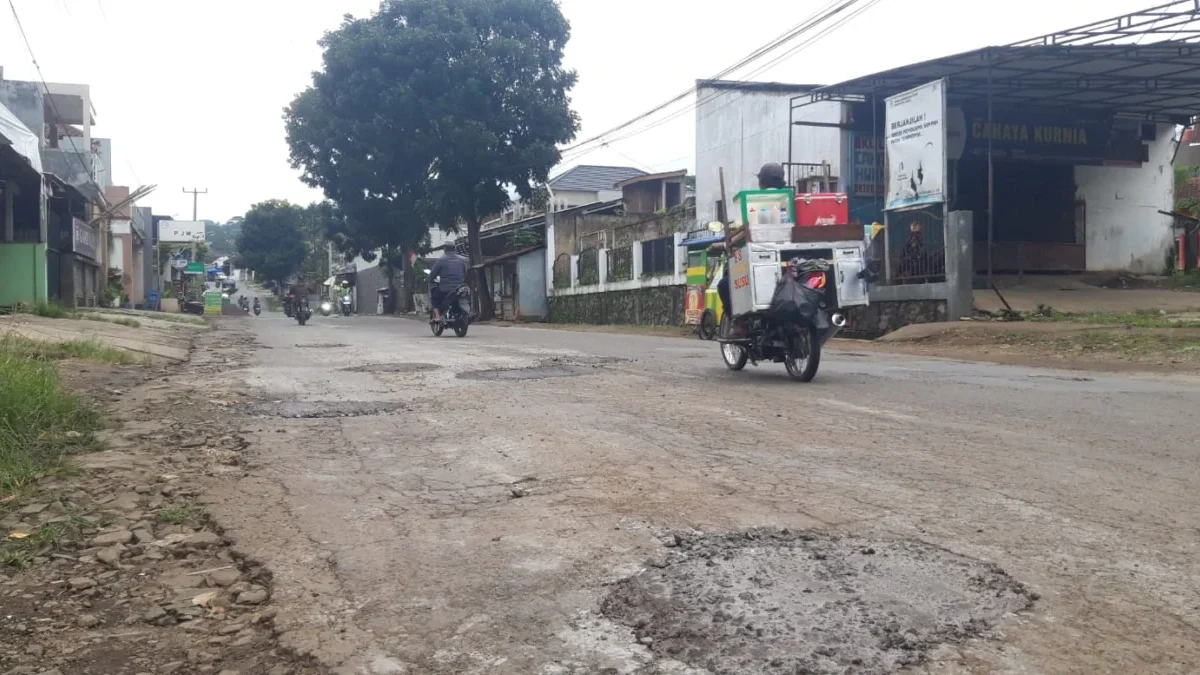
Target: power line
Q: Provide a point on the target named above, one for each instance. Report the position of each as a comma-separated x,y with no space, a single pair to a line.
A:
54,106
569,157
829,10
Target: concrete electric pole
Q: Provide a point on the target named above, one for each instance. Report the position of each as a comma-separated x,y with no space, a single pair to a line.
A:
195,193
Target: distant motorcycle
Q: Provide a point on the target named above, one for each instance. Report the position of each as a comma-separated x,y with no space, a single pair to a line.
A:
257,307
326,308
345,305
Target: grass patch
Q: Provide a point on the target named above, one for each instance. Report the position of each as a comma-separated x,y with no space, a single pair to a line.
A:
125,321
41,424
179,515
88,350
1185,279
49,310
1122,344
1143,318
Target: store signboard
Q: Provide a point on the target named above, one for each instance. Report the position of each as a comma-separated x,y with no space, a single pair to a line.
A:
916,146
866,165
1049,138
85,240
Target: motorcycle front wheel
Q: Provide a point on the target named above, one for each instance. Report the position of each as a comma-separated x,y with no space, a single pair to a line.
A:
804,356
437,327
708,325
460,327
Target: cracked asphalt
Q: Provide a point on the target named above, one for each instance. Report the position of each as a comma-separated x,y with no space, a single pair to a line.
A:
441,521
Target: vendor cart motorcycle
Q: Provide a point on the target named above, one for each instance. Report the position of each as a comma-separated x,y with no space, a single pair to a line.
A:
792,332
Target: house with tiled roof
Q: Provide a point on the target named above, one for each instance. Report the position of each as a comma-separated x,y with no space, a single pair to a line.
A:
587,184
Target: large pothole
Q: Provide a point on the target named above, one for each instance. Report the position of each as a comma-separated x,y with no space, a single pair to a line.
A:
322,409
780,602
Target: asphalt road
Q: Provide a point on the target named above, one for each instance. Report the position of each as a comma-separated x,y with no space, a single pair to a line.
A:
474,499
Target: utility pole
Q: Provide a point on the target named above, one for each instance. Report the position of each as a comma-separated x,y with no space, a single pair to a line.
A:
195,193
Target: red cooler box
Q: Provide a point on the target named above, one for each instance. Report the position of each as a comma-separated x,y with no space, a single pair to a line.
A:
822,208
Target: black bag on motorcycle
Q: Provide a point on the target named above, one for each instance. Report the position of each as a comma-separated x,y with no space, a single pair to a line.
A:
793,302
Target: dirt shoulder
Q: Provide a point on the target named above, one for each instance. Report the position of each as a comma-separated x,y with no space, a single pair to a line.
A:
110,562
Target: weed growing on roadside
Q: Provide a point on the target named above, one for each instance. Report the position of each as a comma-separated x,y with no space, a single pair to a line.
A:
87,316
89,350
179,515
41,424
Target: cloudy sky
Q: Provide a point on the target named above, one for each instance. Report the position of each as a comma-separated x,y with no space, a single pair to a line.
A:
192,92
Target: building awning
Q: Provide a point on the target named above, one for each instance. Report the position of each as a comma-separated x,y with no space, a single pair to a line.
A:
15,134
1115,66
511,255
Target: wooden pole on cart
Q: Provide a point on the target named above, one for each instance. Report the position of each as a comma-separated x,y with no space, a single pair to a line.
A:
723,211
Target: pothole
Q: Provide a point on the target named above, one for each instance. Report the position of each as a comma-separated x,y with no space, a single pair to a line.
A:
541,372
549,368
322,345
1062,378
322,409
384,368
780,602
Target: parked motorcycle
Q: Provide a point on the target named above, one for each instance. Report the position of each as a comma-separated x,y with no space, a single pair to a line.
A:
792,332
345,305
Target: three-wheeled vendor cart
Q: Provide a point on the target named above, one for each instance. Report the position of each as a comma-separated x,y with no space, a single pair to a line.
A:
705,268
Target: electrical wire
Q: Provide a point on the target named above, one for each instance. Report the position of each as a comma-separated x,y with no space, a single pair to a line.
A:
570,157
53,106
829,9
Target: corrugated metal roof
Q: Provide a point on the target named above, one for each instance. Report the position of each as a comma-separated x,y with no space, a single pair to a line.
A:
589,178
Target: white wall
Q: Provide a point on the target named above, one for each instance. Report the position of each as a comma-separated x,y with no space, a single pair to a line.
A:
1124,229
742,130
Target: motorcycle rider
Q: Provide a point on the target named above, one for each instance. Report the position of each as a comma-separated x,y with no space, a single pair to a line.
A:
770,177
299,294
451,272
344,292
257,307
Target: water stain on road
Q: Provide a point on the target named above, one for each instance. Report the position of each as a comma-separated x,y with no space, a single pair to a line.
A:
540,372
322,345
781,602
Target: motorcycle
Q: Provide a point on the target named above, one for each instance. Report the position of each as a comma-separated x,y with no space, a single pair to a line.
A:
244,304
794,340
457,314
303,312
326,308
287,308
257,307
345,305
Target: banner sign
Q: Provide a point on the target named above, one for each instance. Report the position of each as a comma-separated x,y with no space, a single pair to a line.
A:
916,146
866,166
1050,138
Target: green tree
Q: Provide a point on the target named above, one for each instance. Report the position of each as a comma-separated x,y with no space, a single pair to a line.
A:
222,237
272,239
434,108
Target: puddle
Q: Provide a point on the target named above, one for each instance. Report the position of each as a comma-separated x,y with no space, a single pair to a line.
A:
322,409
383,368
779,602
322,345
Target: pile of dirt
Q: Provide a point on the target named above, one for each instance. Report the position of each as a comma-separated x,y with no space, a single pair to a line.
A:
116,568
782,602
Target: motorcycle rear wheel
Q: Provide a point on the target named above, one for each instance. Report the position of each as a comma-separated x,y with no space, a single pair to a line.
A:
708,325
804,356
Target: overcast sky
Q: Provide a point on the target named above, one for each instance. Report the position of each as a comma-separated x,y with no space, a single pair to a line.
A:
192,92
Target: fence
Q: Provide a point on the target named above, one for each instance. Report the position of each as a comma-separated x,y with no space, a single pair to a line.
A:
589,266
562,271
658,257
917,243
620,264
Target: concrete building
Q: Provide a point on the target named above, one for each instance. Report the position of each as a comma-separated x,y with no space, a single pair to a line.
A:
742,125
23,235
127,246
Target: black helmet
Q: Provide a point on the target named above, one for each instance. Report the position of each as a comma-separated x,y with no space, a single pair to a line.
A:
772,174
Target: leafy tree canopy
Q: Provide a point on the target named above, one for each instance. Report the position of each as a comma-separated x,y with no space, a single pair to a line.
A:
272,239
427,110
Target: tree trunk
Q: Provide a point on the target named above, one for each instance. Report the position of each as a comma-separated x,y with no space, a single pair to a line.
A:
482,290
389,272
406,277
